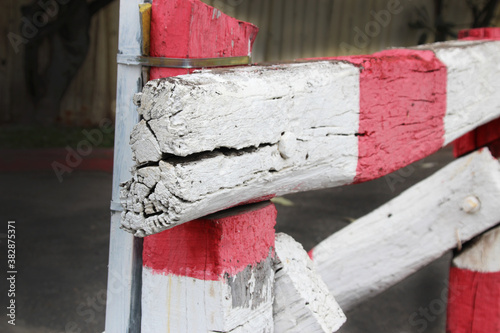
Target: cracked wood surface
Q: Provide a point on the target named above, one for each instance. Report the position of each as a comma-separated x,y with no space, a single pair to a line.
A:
222,137
419,226
302,302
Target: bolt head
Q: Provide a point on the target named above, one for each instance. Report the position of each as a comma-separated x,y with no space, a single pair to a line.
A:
471,205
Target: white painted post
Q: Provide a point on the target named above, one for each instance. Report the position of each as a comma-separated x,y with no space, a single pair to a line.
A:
125,265
302,302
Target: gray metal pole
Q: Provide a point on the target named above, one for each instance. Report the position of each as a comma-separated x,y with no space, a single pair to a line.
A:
125,263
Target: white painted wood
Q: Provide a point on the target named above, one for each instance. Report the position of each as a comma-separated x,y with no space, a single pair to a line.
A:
482,254
295,151
233,135
472,86
188,191
251,106
182,304
417,227
302,302
123,283
124,268
144,144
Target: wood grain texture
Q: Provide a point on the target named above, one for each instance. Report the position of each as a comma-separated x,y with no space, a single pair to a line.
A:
402,109
181,304
273,148
472,86
302,302
417,227
228,136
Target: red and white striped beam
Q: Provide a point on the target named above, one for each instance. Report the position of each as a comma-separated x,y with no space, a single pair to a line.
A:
213,274
474,287
218,138
489,133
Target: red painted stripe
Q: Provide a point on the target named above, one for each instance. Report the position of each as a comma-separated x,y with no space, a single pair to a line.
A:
399,87
192,29
480,33
311,254
208,249
473,302
488,134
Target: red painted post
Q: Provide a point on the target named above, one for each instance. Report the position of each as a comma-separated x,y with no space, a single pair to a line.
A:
474,282
474,287
212,274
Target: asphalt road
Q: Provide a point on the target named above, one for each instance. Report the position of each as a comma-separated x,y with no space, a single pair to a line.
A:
62,232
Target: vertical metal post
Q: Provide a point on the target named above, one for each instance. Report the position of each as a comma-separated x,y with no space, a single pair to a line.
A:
125,264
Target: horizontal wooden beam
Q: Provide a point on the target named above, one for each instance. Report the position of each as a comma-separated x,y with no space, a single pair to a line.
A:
219,138
438,214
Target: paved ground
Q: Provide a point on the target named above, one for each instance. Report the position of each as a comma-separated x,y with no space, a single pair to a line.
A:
62,231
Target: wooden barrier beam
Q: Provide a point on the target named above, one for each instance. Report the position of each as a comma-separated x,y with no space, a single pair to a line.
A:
211,275
474,287
218,138
302,302
474,282
420,225
489,133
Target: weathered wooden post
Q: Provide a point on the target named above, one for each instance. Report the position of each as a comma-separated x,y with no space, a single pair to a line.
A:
474,282
214,274
221,138
211,275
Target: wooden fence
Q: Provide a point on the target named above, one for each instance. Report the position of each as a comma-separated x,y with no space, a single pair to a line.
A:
225,141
